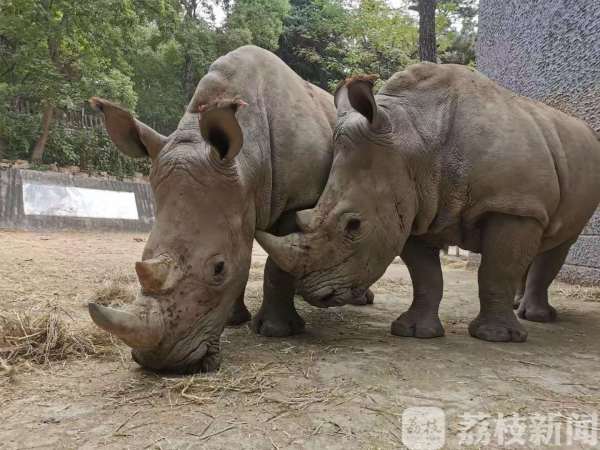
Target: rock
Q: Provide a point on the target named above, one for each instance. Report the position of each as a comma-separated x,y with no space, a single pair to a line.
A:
21,164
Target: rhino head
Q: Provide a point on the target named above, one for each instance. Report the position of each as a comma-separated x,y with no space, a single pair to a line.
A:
360,222
197,258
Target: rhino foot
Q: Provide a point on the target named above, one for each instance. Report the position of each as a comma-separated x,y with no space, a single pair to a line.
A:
239,315
211,362
494,329
412,324
536,313
276,325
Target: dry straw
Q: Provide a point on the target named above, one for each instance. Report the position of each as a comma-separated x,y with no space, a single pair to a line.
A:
255,384
117,289
47,336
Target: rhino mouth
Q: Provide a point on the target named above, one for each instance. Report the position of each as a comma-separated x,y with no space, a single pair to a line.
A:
201,359
331,297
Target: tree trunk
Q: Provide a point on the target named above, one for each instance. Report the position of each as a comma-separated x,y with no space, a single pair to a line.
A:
188,77
3,147
40,144
427,44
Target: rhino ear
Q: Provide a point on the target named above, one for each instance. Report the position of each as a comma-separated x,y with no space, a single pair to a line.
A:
357,94
132,137
220,128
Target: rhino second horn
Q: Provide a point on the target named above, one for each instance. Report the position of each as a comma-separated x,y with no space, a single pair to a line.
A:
306,219
153,273
285,250
136,330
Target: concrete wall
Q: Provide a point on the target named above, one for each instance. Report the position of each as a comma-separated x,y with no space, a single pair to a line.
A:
550,51
13,216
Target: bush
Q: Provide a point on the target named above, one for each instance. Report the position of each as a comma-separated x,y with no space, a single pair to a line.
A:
88,148
19,132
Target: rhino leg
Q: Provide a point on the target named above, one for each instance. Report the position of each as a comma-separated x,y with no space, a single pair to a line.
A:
508,246
520,290
277,316
239,313
422,320
534,305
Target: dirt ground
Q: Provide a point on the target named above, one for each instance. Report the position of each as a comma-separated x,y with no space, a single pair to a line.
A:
345,383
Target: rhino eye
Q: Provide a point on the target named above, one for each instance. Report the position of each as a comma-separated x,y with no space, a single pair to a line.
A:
353,226
215,270
219,268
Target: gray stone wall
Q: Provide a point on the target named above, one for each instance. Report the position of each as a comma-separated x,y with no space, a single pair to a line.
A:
549,50
13,216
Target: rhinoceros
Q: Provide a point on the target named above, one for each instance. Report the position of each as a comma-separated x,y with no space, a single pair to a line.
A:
253,146
443,155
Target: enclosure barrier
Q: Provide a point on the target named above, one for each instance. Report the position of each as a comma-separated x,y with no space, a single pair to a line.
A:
32,200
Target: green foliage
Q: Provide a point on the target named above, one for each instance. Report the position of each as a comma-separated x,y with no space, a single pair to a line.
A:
385,39
149,55
315,39
62,50
18,131
258,22
459,30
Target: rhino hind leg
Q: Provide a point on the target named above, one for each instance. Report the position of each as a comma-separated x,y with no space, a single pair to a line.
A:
421,320
534,305
277,316
239,313
508,246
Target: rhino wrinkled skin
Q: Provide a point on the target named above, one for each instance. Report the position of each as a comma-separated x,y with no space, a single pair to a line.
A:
253,146
444,156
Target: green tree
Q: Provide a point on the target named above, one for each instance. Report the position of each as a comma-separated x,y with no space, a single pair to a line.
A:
258,22
447,30
62,51
314,40
460,32
383,40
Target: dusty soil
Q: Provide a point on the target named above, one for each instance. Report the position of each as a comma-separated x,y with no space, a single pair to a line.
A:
345,383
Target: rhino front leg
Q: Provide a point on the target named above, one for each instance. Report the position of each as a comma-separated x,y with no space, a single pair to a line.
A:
508,246
277,316
534,304
422,320
239,313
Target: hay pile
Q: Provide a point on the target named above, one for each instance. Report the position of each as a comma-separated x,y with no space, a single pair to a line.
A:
117,289
47,336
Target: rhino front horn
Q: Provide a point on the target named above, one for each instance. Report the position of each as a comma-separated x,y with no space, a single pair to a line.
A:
138,329
286,251
153,273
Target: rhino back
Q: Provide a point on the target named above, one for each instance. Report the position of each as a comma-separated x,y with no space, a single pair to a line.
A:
287,128
500,152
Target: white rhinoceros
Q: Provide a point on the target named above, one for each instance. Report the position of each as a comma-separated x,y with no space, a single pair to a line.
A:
445,156
214,186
